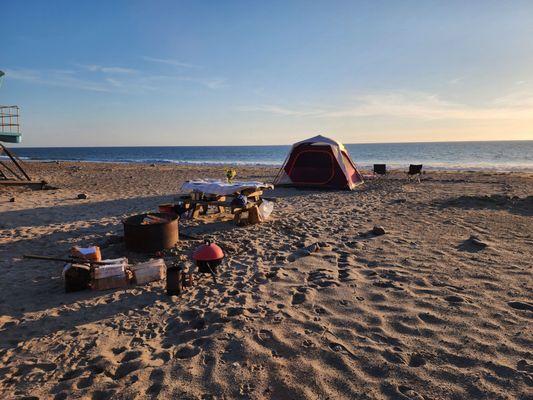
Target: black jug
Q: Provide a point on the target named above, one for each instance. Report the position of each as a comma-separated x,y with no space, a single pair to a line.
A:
174,280
77,277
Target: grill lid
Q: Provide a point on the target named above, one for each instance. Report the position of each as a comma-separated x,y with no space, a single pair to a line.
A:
208,252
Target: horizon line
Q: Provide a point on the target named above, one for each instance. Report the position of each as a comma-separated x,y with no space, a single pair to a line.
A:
271,145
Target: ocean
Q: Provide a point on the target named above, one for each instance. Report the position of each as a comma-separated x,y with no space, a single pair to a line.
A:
499,156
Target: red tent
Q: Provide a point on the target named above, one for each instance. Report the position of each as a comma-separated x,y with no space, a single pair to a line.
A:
319,162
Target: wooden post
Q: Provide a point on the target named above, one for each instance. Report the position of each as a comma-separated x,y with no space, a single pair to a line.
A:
15,161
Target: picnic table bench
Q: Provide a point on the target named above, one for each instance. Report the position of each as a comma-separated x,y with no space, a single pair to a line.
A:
220,195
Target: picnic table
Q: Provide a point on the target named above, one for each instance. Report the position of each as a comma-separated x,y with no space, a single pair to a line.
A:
205,193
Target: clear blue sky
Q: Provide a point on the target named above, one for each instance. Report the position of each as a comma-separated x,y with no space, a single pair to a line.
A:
271,72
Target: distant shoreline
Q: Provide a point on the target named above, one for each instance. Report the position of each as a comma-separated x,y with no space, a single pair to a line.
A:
478,156
362,167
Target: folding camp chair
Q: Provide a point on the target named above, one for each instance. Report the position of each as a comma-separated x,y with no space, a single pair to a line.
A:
380,169
415,170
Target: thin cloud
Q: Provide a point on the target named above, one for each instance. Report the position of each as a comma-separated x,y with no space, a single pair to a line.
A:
54,78
172,62
210,83
414,105
112,81
455,81
516,100
279,110
107,70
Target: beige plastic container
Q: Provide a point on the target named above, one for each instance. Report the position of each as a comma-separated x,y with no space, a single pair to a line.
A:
87,253
111,276
153,270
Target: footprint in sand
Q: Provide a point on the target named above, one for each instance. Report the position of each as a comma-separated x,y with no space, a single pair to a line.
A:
234,311
137,341
86,382
454,299
417,360
386,284
74,373
393,357
156,376
345,270
162,355
430,318
523,365
131,355
409,393
322,278
100,364
118,350
320,310
103,394
188,351
518,305
298,298
127,368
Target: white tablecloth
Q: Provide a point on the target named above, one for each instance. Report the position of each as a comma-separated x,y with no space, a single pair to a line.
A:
222,188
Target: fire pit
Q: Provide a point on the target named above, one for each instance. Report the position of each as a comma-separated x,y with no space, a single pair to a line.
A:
148,233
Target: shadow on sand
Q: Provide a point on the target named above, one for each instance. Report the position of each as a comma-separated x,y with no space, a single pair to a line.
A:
33,285
69,213
515,205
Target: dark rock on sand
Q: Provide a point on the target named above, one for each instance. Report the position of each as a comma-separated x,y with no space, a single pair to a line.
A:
378,230
477,241
313,248
82,196
473,244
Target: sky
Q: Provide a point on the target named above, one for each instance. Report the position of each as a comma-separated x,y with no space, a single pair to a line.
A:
118,73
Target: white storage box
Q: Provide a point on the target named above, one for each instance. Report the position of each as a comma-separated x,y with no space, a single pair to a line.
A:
153,270
105,271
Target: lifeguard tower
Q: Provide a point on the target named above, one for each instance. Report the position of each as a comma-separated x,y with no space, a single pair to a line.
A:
12,170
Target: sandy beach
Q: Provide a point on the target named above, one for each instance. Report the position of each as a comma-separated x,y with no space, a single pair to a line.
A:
309,305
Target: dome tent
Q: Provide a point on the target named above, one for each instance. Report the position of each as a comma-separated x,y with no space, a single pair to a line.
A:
319,162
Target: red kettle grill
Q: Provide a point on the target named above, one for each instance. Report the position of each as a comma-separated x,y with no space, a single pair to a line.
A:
208,257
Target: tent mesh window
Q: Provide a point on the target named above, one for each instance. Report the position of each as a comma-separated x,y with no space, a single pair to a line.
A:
313,167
